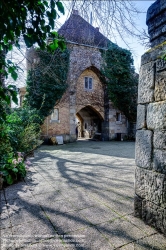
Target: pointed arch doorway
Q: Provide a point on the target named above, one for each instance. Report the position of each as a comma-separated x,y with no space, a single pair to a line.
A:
89,123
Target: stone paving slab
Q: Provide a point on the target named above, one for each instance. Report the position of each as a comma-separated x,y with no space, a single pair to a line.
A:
46,198
98,214
17,192
24,210
140,224
50,244
59,184
67,222
79,198
153,242
34,231
120,232
121,204
76,196
5,221
7,240
2,197
57,206
89,238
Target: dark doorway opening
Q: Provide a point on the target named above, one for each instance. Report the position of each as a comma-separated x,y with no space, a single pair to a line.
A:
90,123
118,136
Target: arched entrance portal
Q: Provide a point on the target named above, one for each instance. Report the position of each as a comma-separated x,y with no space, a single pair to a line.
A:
89,123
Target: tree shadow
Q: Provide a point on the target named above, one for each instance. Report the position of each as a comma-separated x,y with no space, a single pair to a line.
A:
36,207
123,149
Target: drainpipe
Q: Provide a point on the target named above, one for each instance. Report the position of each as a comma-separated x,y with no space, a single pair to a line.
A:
47,127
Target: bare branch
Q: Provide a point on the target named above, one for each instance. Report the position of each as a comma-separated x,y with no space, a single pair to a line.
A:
115,18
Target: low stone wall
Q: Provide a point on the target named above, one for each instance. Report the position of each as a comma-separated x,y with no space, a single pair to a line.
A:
150,175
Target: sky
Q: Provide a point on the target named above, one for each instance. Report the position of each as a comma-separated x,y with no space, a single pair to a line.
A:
139,50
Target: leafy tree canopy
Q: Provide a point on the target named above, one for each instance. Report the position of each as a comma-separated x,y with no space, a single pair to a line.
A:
31,20
46,81
121,80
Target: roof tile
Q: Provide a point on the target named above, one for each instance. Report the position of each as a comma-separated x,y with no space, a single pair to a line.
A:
78,30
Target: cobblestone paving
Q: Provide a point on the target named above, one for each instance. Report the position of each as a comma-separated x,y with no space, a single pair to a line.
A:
77,196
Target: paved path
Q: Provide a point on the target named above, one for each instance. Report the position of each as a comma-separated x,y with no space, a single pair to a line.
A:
77,196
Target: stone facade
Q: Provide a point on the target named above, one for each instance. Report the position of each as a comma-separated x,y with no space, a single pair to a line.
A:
90,108
150,175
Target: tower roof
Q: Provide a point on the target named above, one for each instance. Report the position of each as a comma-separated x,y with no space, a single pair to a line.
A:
76,29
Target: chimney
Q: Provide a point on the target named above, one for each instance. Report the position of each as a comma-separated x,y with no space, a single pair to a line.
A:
91,18
97,29
75,12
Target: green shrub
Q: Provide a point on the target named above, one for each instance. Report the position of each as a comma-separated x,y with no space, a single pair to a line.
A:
13,168
29,138
23,129
19,134
5,147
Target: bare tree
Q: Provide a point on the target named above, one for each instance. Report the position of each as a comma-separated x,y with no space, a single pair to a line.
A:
115,18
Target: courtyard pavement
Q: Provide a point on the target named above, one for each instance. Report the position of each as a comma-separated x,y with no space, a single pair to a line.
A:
77,196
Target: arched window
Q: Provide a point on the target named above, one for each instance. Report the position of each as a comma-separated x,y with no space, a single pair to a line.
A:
55,116
118,117
88,83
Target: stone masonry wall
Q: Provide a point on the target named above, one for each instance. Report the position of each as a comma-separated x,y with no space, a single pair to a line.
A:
59,127
150,175
81,59
86,61
116,127
94,98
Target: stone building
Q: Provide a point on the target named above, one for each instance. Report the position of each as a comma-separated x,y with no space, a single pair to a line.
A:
150,182
85,102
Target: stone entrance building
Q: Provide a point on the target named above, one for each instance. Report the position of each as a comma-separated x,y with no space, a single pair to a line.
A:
85,103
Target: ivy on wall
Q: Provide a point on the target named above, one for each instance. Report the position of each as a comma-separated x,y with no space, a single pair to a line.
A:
121,80
46,81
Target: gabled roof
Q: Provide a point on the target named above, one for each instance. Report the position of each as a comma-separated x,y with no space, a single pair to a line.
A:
78,30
